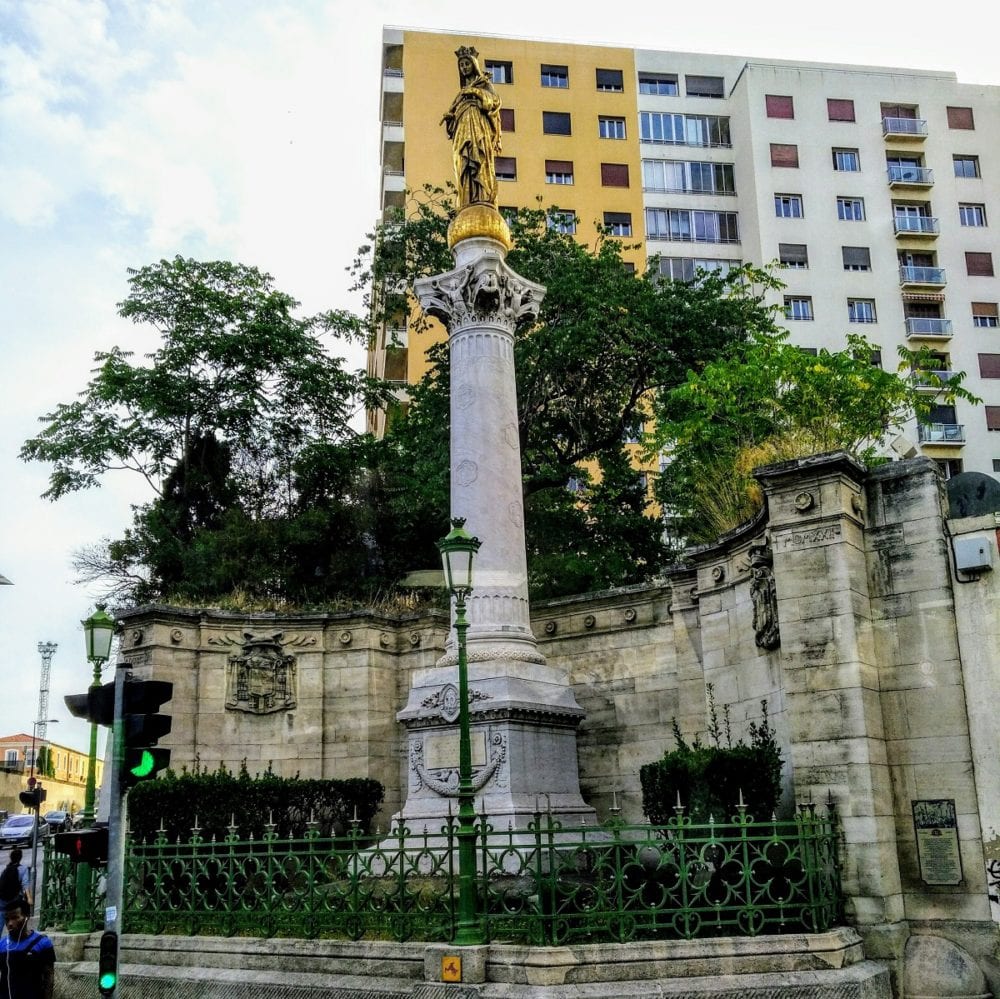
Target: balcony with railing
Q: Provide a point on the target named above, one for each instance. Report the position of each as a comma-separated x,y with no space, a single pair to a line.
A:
948,434
916,225
910,275
928,328
907,175
904,128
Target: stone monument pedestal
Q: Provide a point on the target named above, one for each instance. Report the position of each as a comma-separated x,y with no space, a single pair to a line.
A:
523,719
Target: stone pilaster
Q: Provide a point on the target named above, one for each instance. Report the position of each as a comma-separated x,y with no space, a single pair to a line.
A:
830,670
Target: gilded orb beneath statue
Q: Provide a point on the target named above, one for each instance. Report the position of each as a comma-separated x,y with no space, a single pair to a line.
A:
479,220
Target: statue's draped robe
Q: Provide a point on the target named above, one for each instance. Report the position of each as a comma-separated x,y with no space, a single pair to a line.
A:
474,128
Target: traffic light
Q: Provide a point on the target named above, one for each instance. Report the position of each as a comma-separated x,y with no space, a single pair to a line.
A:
107,963
97,705
33,797
83,845
142,726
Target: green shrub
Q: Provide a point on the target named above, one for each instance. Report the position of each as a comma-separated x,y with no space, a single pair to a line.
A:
218,799
709,779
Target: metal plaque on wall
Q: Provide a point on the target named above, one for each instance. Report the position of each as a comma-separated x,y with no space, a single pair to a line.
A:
938,852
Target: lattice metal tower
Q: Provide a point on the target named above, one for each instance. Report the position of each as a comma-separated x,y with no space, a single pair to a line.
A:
46,650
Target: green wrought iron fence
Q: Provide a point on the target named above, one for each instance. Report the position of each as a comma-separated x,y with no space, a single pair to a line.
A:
547,884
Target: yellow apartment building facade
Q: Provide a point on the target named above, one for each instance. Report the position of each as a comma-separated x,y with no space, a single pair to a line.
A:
876,189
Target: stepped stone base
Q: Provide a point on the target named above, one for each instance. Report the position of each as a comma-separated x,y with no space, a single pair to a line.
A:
819,966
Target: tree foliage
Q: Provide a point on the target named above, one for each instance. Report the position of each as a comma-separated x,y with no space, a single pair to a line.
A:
239,420
767,400
605,343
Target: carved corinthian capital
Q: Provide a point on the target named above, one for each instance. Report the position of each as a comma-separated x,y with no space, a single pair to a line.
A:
484,291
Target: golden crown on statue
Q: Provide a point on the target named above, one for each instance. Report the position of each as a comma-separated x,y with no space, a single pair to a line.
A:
467,50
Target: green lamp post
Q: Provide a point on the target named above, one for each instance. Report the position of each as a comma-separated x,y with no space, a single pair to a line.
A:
458,550
98,632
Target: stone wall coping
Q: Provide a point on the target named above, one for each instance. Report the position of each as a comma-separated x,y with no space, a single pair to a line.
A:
195,615
650,590
836,462
904,469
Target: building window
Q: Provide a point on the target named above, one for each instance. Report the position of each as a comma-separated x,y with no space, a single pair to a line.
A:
798,308
788,206
687,176
960,118
856,258
697,226
556,123
989,365
614,174
839,110
555,76
687,268
661,84
972,214
618,223
506,119
979,264
610,81
966,166
684,129
992,417
506,167
561,221
985,315
10,757
558,171
610,128
794,255
704,86
847,160
779,106
500,72
784,154
851,209
860,310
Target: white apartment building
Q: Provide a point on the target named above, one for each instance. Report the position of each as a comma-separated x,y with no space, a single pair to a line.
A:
877,189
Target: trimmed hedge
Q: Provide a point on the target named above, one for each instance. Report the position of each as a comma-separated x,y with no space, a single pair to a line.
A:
710,779
218,798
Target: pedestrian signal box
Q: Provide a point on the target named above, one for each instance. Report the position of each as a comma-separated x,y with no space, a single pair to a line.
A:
88,846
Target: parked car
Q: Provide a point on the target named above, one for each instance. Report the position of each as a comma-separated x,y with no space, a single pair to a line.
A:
19,829
58,821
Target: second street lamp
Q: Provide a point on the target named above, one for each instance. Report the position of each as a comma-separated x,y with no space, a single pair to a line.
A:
98,631
458,550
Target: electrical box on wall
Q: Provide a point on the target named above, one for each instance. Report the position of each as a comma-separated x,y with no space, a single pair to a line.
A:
973,554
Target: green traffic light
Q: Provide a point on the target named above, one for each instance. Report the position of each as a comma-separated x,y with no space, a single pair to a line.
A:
145,766
107,980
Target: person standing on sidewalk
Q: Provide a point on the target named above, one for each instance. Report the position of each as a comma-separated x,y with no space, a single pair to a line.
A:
27,957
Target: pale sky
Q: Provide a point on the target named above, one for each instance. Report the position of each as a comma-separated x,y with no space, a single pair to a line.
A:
247,130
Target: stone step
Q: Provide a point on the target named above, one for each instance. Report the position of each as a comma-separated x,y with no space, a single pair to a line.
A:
864,980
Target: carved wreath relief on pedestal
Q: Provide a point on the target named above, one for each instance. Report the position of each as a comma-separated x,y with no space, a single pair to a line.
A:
444,780
261,679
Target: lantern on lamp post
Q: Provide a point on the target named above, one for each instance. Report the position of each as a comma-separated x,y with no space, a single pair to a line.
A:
458,550
98,633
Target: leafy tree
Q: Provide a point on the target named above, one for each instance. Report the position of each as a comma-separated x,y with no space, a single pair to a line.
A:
223,420
767,400
606,342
